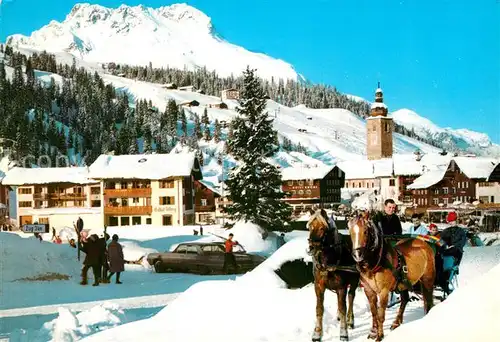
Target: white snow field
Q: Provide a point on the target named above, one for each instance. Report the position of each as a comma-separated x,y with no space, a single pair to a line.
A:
258,307
72,311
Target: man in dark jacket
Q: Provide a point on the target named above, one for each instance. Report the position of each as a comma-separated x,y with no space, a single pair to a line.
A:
92,251
455,238
387,220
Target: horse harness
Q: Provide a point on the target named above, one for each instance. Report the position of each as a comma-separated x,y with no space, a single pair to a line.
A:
320,260
399,271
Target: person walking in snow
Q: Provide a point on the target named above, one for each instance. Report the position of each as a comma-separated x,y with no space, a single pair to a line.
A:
116,259
417,227
92,259
229,258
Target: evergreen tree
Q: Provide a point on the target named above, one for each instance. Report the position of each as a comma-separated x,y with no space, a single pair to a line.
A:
182,116
197,127
204,117
206,134
147,149
255,184
217,131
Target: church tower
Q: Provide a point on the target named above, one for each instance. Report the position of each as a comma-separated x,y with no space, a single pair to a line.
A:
379,129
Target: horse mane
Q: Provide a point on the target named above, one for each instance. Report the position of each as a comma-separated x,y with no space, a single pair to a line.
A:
317,216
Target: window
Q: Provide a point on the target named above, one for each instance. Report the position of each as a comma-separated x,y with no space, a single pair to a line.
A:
95,204
445,191
24,191
308,191
301,183
25,204
79,204
136,220
167,200
110,185
192,249
181,249
445,201
484,199
167,220
346,184
392,182
453,190
435,201
113,221
135,200
123,185
124,221
203,201
311,182
359,185
290,182
148,220
95,190
436,191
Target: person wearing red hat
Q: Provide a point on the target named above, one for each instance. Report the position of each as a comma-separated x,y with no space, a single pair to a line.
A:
455,239
433,229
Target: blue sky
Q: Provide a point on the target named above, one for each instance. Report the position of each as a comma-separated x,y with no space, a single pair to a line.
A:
440,58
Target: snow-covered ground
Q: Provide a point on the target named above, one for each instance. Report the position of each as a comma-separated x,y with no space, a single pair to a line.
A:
74,311
264,310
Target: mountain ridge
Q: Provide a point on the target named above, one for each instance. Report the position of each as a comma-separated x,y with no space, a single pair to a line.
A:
175,36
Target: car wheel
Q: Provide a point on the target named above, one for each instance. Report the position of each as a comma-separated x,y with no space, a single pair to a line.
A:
158,267
204,270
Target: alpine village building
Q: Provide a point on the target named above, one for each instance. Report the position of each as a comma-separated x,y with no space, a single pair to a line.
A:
418,182
153,189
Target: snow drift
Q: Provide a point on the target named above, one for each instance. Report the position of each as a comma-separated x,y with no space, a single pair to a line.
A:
262,310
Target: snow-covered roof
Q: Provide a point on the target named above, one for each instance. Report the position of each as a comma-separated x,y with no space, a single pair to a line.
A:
27,176
144,166
215,189
300,173
428,179
379,90
476,168
378,105
399,165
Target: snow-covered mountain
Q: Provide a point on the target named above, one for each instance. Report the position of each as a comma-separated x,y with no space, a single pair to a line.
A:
451,139
178,36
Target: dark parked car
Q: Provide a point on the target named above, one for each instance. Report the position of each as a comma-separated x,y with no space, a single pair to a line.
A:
203,258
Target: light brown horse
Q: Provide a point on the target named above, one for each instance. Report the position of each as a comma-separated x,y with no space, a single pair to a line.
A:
379,266
334,269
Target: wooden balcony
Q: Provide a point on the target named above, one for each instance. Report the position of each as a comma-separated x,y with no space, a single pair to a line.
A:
68,197
204,208
135,192
132,210
41,196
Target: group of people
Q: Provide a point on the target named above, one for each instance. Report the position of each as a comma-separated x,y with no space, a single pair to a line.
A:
101,258
454,237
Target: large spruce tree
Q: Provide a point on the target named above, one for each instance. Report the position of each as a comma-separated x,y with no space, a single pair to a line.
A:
255,184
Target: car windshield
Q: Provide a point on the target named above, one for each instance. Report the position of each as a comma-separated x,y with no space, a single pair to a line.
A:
238,249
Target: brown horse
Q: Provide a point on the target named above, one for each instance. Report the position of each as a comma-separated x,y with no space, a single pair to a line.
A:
334,269
384,268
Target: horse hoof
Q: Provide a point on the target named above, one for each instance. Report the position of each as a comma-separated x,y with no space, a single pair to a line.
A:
394,326
316,337
372,336
338,318
344,338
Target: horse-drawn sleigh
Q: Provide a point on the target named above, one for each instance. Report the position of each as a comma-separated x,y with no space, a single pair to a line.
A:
382,265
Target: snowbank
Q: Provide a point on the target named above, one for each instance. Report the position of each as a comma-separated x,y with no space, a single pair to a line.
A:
30,258
71,327
474,308
262,310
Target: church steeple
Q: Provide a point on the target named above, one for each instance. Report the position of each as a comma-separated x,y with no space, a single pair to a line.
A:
379,128
378,108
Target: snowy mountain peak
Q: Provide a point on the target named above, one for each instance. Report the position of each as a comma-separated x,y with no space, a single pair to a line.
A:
177,36
451,139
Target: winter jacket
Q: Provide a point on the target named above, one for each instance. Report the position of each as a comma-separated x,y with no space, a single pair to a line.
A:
455,236
115,257
389,224
420,230
92,252
229,246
